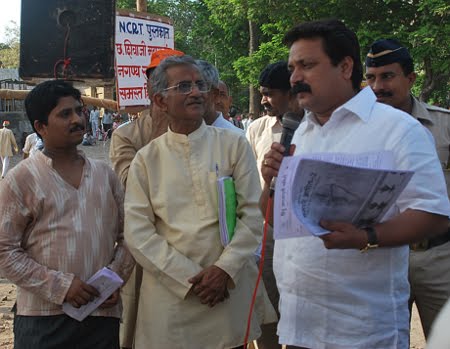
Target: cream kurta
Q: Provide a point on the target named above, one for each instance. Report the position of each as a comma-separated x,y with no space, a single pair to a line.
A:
126,142
171,228
7,141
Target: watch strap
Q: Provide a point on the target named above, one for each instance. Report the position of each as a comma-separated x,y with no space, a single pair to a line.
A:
372,240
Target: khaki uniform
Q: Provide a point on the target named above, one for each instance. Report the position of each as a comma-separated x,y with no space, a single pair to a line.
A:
429,268
126,141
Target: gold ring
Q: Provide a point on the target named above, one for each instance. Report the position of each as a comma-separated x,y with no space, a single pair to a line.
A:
265,162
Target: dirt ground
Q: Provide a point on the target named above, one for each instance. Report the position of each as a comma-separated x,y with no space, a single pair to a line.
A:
8,290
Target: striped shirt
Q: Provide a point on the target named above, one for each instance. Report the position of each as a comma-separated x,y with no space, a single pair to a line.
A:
51,232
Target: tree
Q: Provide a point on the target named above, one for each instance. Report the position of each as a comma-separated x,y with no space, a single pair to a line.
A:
10,50
242,36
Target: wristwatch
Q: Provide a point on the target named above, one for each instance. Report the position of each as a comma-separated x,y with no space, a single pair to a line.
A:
372,240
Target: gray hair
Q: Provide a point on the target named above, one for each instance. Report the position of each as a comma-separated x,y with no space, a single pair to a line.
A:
209,72
158,79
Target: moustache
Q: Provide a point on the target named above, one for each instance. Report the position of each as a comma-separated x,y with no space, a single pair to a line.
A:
267,106
383,94
77,128
300,87
195,100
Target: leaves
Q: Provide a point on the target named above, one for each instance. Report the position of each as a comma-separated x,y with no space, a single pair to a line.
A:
10,50
218,31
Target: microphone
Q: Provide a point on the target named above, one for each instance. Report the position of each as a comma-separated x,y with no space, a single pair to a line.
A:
290,122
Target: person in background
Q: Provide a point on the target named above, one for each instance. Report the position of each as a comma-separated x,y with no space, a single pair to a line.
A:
195,292
107,122
86,115
32,144
61,220
7,142
117,122
276,99
126,141
89,139
94,117
349,288
390,74
212,116
248,119
224,100
234,119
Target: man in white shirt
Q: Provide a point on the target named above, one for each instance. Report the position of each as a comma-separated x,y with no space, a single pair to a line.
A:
93,119
224,100
332,295
32,144
276,99
213,116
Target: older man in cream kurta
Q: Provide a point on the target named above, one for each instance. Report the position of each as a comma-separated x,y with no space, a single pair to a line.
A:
172,227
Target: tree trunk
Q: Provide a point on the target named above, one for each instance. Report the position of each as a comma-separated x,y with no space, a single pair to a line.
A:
429,81
254,99
141,5
432,81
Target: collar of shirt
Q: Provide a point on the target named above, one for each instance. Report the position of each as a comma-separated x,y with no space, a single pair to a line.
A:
182,138
359,105
273,121
41,157
219,120
420,113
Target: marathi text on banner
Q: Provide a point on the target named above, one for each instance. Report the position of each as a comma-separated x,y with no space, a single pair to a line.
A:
136,40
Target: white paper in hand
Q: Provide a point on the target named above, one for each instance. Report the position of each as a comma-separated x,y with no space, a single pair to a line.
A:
106,282
354,188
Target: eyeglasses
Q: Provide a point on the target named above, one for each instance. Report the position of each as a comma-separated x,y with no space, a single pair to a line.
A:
185,87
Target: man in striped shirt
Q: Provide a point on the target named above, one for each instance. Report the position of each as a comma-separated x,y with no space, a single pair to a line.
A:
61,220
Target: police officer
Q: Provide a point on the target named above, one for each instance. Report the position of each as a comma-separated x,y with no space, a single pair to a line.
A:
390,74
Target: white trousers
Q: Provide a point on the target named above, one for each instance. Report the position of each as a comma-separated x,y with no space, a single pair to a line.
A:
5,164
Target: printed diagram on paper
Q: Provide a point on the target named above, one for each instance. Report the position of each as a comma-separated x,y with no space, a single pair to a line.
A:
353,188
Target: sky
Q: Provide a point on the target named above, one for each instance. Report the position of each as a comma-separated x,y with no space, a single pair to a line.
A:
9,11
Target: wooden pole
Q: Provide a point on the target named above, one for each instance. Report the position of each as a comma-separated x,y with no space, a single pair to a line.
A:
101,103
141,5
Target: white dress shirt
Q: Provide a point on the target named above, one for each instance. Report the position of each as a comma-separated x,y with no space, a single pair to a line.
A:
344,298
220,122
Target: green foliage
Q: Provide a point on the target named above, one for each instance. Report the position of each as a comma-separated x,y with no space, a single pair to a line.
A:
126,4
10,50
218,31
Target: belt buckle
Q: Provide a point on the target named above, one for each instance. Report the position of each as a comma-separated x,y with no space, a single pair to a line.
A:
420,246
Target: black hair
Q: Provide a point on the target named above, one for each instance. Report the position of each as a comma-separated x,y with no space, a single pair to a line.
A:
407,65
276,76
44,97
338,43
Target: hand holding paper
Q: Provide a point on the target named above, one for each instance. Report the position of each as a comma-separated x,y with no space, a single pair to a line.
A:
352,188
80,293
105,282
343,235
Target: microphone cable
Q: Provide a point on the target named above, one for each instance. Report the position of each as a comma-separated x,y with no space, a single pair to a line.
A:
290,122
260,268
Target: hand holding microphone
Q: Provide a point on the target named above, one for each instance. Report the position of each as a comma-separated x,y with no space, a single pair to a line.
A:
272,160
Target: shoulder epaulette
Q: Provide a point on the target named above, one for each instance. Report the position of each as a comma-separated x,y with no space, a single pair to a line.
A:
434,108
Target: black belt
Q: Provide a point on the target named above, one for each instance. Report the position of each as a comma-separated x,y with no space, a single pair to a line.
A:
431,242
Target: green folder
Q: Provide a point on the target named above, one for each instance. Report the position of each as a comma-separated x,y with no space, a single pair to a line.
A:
227,208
